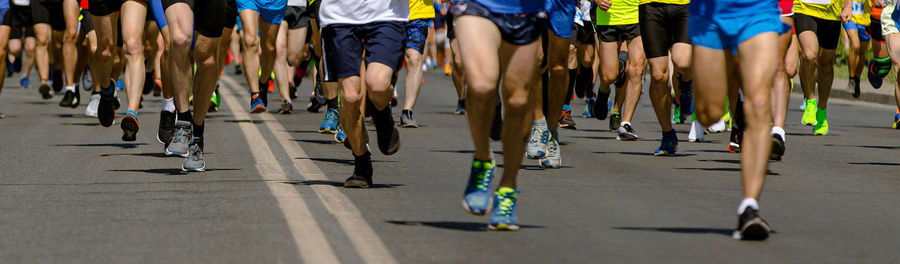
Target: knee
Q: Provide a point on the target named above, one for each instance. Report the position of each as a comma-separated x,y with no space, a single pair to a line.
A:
251,41
180,40
134,47
810,55
707,115
350,98
659,75
70,36
413,58
609,74
634,70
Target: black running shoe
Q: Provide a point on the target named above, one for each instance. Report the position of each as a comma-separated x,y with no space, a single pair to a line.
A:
615,119
854,84
45,91
286,108
623,61
130,126
686,100
601,105
362,172
148,83
734,142
106,111
777,147
166,127
751,226
264,93
292,91
497,124
69,99
388,133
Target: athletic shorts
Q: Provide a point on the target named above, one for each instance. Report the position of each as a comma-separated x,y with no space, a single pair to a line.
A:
3,14
584,34
416,34
48,13
451,34
618,32
87,21
158,13
296,17
888,25
104,7
561,17
518,29
312,9
827,31
272,12
18,18
231,14
787,7
662,25
343,46
861,30
212,12
727,33
875,30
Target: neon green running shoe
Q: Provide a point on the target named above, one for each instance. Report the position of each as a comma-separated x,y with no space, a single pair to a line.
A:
821,126
676,116
215,101
809,114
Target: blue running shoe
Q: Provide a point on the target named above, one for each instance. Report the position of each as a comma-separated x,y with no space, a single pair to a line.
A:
896,124
340,136
669,144
504,216
588,103
331,122
477,199
25,82
256,104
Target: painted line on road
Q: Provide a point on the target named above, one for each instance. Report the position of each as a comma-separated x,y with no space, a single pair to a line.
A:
367,243
308,237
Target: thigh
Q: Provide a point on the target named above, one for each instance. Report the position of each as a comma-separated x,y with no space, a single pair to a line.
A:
756,69
341,52
479,40
134,16
711,81
609,56
653,30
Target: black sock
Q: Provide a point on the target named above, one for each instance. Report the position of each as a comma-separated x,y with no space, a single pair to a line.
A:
108,90
198,130
186,116
332,103
362,165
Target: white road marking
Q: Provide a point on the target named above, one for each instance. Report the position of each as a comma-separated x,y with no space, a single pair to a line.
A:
308,237
369,246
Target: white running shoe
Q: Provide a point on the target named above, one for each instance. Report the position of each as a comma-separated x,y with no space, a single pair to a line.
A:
717,127
696,132
93,105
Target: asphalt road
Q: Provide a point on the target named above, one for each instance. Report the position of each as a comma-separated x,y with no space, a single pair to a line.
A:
72,192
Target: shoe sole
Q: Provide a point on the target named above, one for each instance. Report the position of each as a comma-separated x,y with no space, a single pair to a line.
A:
503,227
394,144
553,166
258,109
356,184
755,229
201,169
45,92
734,148
626,138
539,156
408,125
130,129
469,210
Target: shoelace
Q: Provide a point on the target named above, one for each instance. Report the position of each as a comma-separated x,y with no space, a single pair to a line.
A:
180,135
331,118
195,152
482,177
536,136
505,205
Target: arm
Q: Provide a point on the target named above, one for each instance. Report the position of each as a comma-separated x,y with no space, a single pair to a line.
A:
846,11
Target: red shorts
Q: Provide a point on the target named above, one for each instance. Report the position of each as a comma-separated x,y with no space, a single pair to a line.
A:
787,7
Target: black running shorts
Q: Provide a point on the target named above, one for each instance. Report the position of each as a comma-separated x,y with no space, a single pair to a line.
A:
584,34
209,15
18,18
618,32
662,25
296,17
875,29
104,7
827,31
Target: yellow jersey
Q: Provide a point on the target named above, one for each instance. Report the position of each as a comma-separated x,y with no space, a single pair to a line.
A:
622,12
676,2
421,9
824,9
861,10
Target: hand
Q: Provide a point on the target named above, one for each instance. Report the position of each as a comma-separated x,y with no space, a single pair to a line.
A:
878,3
846,15
603,4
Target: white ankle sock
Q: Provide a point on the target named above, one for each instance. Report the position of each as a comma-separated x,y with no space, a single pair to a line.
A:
625,123
169,105
70,88
779,131
748,202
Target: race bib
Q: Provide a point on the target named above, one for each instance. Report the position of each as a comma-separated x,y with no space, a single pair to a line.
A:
857,8
21,2
817,2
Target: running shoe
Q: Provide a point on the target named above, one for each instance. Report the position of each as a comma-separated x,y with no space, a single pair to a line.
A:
504,216
44,89
668,145
623,61
821,126
330,123
194,160
735,140
215,101
106,110
565,118
677,117
477,196
460,107
256,104
316,99
809,113
853,85
385,127
70,99
615,119
286,108
25,82
696,133
874,78
626,133
686,100
340,136
93,105
553,159
497,124
86,80
537,142
130,126
166,127
238,69
896,124
181,139
362,172
751,226
406,119
148,83
777,147
447,69
717,127
588,112
600,105
157,88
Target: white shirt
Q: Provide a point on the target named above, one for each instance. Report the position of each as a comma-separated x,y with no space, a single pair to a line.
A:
300,3
362,11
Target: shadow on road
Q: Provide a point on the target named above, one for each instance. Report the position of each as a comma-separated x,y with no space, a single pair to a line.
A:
462,151
83,124
171,171
768,172
681,230
120,145
317,141
864,146
722,161
459,226
650,154
245,121
875,163
146,154
341,184
342,161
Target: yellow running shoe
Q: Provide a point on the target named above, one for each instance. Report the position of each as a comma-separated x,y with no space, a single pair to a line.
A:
809,114
821,126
